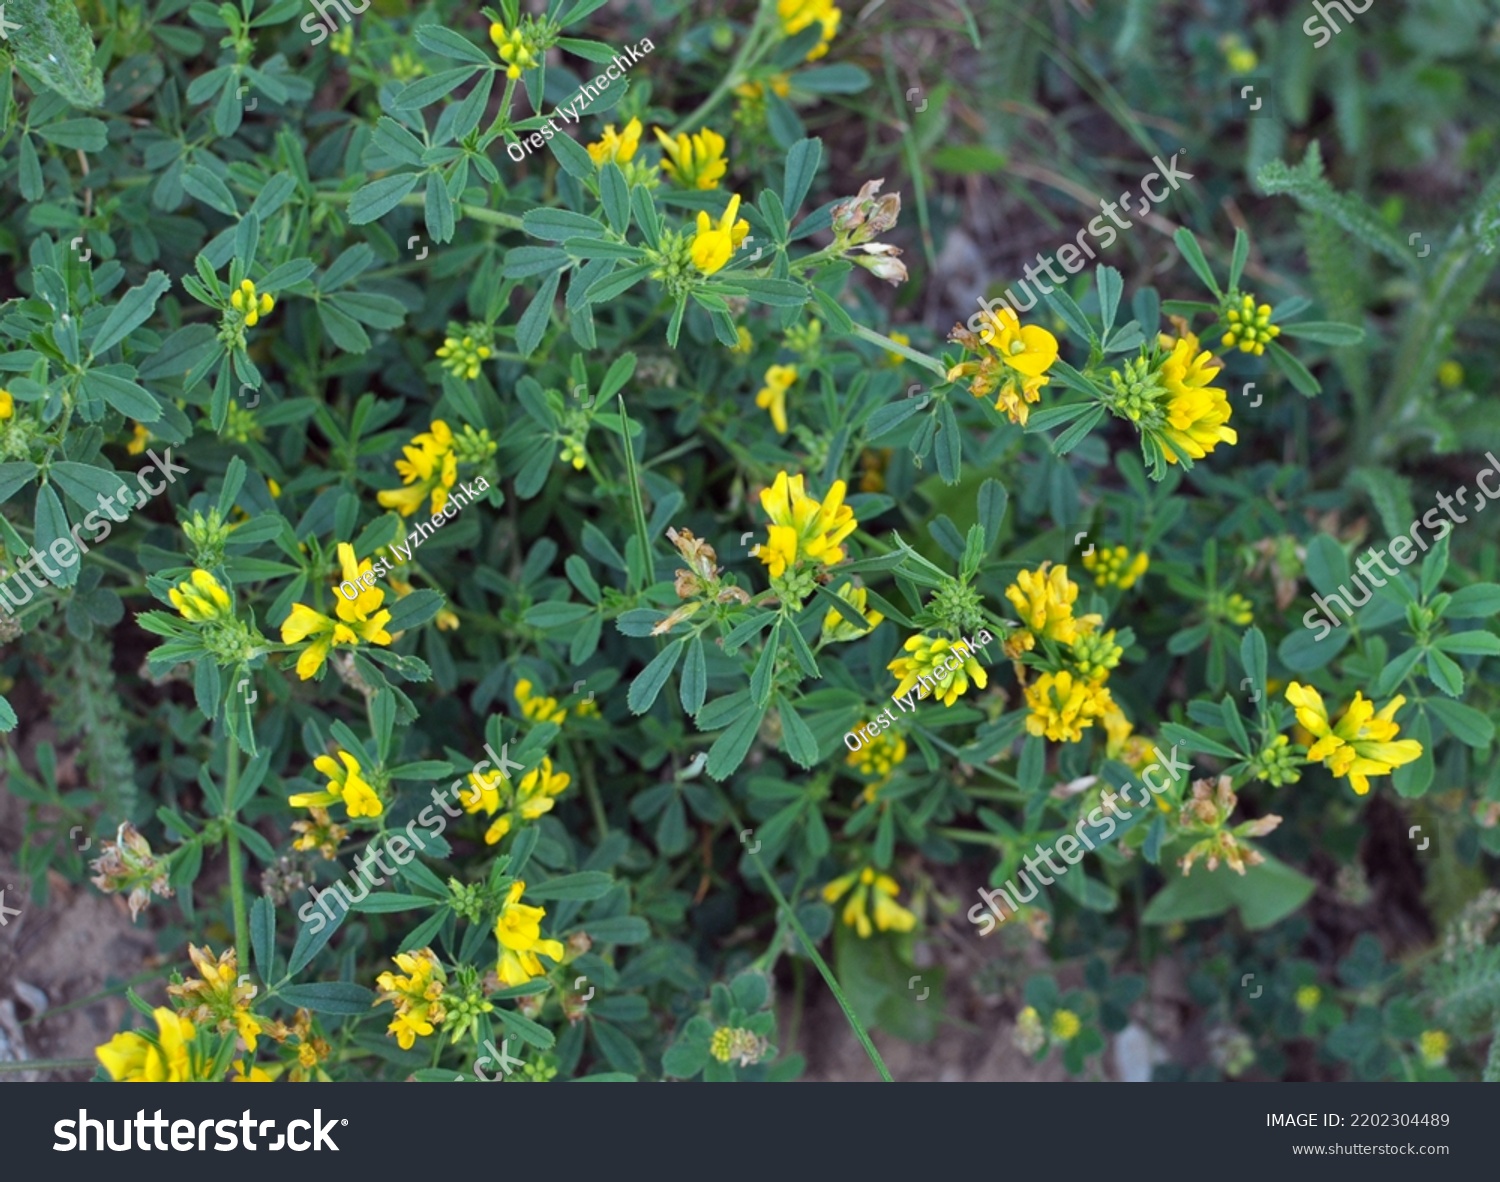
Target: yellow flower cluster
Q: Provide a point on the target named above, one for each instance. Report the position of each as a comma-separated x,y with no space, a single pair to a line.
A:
251,305
1250,327
797,15
1067,699
512,50
1012,365
359,619
417,996
867,884
693,161
462,357
217,997
772,396
201,599
1197,411
1116,566
519,931
879,757
714,242
618,147
8,409
346,785
429,466
537,707
938,661
803,529
1362,743
532,797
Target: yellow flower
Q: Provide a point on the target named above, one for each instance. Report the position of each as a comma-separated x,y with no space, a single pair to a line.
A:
781,86
1434,1044
1062,705
342,42
201,599
617,146
836,627
417,996
532,798
139,1058
1045,603
879,757
139,437
245,1071
538,708
1361,744
8,408
1027,349
942,668
1450,375
219,997
796,15
512,50
1308,998
1250,327
355,621
253,306
715,242
1196,411
346,784
430,465
891,356
518,929
889,915
1116,567
696,161
772,396
802,527
462,357
1065,1025
1237,609
744,343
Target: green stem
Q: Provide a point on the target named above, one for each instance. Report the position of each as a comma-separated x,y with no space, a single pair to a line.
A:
236,859
913,355
855,1024
46,1065
732,76
477,213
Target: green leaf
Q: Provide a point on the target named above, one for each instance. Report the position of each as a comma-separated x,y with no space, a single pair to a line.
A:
425,91
1192,254
649,681
380,197
1467,724
446,43
263,936
840,78
122,394
1478,601
201,183
312,939
730,748
533,323
54,44
1325,332
801,167
1444,672
84,484
131,312
800,742
329,997
385,901
1482,643
52,524
585,885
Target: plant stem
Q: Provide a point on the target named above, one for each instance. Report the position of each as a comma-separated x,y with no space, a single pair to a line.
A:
914,355
732,76
812,951
236,859
45,1065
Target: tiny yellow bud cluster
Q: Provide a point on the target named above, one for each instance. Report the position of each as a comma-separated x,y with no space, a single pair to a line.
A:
1250,327
246,301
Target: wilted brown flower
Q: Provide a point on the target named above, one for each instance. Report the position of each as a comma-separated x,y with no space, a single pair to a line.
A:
127,863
